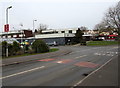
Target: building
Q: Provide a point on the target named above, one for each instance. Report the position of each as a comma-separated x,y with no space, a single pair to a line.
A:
60,36
18,34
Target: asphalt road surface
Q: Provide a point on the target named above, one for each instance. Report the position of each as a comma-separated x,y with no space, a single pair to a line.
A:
64,70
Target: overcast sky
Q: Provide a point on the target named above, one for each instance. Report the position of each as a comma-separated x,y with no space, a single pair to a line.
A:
57,14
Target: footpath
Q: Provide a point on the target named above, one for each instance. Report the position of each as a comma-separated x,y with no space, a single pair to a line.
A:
105,76
17,60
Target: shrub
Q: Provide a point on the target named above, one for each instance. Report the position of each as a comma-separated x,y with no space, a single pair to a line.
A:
11,50
4,46
31,51
19,52
40,46
83,42
16,46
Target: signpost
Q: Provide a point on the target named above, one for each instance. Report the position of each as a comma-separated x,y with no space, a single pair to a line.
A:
6,28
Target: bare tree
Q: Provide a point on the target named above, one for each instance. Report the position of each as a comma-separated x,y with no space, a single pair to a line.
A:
42,27
100,27
83,28
112,17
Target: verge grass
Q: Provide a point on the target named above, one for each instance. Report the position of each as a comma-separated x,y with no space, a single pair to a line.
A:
27,54
102,43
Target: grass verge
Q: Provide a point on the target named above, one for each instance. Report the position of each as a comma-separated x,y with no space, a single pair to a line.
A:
27,54
102,43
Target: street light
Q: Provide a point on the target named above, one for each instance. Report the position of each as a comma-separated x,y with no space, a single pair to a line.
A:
7,24
33,28
7,14
21,32
33,24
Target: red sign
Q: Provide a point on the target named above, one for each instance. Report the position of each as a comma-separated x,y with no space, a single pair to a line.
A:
6,28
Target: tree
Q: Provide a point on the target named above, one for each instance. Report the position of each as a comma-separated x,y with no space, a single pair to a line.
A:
43,26
83,28
100,27
4,46
11,50
112,17
40,46
78,36
16,46
35,31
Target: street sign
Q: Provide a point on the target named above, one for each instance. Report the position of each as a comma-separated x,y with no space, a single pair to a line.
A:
6,28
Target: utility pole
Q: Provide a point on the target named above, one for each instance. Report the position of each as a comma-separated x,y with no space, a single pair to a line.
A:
7,25
33,29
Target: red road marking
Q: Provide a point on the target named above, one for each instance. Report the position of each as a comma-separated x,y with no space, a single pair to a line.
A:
46,60
64,61
87,64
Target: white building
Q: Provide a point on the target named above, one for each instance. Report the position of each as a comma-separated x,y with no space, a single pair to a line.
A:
61,36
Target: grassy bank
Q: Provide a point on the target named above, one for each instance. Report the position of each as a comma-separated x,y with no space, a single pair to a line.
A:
101,43
27,54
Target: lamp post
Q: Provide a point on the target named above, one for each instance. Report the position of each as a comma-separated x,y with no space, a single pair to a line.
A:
21,25
33,23
8,30
33,28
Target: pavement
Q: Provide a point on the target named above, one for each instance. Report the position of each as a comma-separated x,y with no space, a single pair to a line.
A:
22,59
107,75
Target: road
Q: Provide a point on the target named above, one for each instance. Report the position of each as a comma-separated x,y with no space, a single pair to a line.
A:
64,70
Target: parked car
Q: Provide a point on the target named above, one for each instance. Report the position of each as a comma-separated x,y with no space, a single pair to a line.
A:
52,44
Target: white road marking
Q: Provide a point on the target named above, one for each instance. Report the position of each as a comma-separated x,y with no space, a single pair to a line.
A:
103,54
59,61
106,53
80,56
115,47
92,73
97,53
109,54
83,50
116,52
22,72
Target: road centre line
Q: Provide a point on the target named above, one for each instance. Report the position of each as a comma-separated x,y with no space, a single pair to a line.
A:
92,73
80,56
19,73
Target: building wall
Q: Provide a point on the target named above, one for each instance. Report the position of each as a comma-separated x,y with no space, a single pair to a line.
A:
17,34
56,35
59,41
28,33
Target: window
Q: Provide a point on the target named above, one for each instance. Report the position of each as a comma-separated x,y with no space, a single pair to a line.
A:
9,36
70,31
14,35
21,35
3,36
62,31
